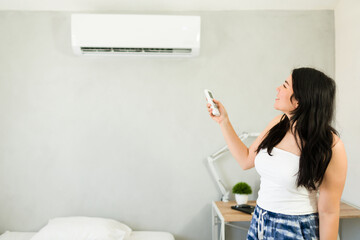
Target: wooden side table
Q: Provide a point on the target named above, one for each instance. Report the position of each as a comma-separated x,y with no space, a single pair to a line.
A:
223,214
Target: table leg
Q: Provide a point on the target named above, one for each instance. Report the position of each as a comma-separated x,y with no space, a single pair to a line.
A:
217,219
222,237
213,226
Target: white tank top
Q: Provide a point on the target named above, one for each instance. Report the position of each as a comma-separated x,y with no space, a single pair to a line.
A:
278,192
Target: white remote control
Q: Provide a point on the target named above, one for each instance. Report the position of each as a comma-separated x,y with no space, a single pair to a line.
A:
209,98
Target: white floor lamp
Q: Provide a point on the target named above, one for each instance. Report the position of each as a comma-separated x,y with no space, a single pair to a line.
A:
212,158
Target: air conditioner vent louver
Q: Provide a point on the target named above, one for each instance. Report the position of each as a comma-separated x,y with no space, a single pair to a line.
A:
134,50
94,50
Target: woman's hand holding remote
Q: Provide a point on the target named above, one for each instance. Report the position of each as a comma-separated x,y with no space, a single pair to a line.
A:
223,114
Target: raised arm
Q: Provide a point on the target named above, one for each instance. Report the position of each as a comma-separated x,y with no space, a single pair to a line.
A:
244,156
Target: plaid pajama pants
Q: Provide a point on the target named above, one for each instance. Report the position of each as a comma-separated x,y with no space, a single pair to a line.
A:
276,226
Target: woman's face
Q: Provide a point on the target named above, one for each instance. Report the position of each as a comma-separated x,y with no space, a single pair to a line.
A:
282,101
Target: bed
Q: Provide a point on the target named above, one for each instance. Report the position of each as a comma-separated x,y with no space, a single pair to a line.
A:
86,228
135,235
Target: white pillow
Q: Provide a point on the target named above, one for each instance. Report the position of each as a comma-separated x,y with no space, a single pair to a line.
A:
16,235
83,228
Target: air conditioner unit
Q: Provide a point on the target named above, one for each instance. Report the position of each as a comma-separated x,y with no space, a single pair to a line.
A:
135,35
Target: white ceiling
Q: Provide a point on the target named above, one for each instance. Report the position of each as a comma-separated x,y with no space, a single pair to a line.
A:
165,5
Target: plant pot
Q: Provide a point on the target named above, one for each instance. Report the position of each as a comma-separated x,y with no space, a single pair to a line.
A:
241,198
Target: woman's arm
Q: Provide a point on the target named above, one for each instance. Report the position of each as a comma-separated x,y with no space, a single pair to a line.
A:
330,192
243,155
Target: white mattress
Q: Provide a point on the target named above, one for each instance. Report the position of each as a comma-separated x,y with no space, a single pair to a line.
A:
135,235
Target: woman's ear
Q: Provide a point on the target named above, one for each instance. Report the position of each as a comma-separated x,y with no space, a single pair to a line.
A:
295,103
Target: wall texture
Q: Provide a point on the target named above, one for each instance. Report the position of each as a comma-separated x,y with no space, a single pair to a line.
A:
347,38
127,137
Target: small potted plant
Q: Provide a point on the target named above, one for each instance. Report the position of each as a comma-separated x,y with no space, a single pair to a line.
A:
241,191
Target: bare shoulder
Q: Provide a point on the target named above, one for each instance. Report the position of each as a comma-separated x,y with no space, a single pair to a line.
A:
278,118
338,163
338,148
336,140
272,123
258,140
254,146
275,121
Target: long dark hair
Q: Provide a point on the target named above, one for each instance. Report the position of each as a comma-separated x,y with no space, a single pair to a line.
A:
311,122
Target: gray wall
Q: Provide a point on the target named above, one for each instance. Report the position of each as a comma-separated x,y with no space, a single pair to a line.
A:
347,38
127,137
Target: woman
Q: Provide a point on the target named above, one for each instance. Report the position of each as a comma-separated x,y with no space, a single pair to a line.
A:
300,158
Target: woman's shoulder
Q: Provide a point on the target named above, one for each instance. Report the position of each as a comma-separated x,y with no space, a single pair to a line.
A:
337,143
272,123
276,119
339,159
